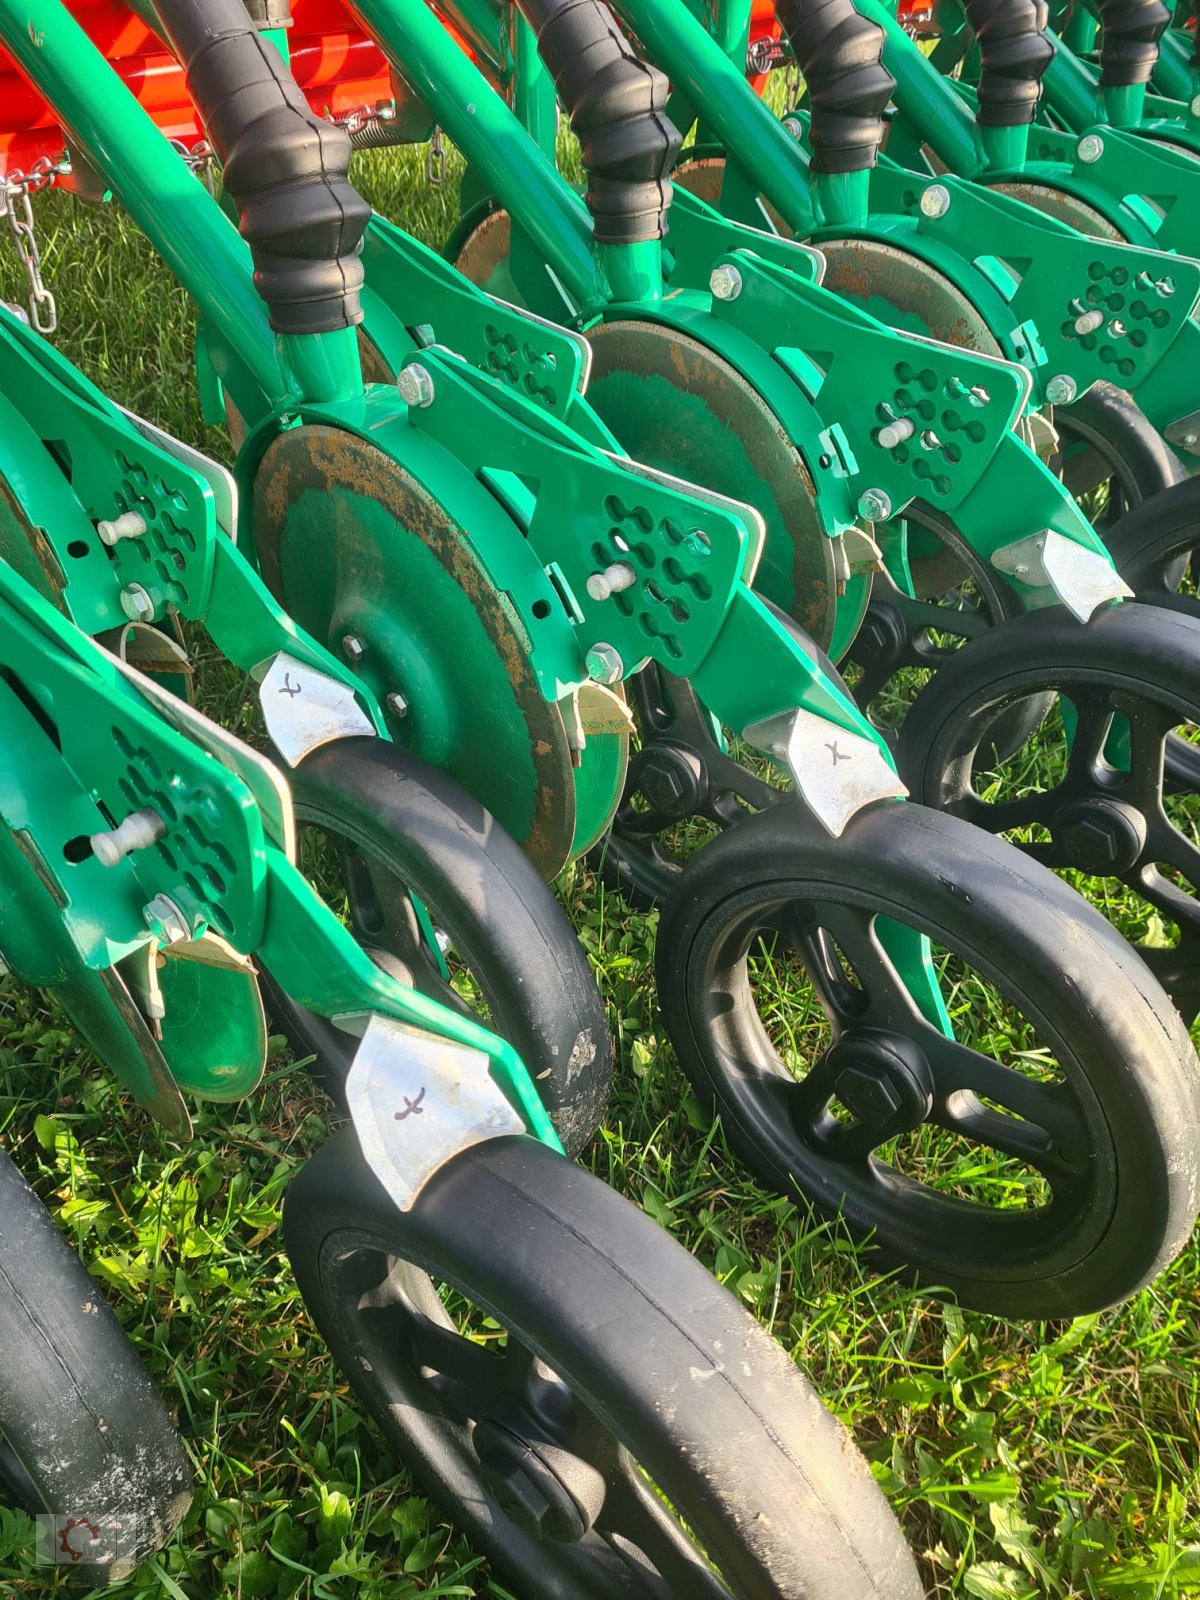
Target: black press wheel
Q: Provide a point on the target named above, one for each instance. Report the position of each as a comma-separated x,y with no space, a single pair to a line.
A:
442,897
84,1438
1154,549
1111,456
610,1364
1041,1163
1088,792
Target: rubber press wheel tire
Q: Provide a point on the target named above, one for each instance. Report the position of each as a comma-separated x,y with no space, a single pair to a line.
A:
407,827
84,1436
1153,547
621,1349
1121,1121
1119,444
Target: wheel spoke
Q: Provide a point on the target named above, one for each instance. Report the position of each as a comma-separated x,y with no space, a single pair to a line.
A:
472,1369
1042,1127
635,1513
883,1001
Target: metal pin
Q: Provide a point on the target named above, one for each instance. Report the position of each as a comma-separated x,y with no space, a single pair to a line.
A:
612,580
894,433
139,831
129,525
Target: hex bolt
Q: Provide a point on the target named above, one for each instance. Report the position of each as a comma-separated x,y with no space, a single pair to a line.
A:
397,704
167,919
1194,107
129,525
725,283
604,664
1090,148
935,201
895,432
415,384
139,831
875,505
1061,389
612,580
794,126
353,648
138,604
1117,329
1088,322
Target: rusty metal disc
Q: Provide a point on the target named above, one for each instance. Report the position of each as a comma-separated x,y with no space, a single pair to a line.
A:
677,406
704,178
356,548
483,255
1063,207
905,292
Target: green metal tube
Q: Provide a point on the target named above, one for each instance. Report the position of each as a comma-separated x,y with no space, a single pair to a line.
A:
634,271
1004,149
926,100
697,66
1080,30
180,218
533,96
1068,89
326,366
482,23
1173,75
1123,105
843,198
491,137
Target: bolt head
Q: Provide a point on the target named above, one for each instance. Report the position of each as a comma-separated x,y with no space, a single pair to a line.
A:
604,664
397,704
1061,389
353,648
415,384
871,1098
935,201
137,603
874,505
519,1498
164,917
794,126
1194,107
725,283
1090,148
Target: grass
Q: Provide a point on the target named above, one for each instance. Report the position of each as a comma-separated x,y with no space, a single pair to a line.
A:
1058,1460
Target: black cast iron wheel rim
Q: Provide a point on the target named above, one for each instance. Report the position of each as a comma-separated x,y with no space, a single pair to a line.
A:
508,1420
1098,818
1051,1126
957,597
380,909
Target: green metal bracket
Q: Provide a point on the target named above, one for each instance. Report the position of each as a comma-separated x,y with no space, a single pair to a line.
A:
91,743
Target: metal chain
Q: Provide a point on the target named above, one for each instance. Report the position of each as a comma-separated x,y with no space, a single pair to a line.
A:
435,160
16,206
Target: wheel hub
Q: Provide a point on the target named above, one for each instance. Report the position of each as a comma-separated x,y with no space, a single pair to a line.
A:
671,779
1100,835
546,1491
883,1079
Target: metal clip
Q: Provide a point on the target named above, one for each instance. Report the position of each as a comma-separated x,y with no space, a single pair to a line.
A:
836,772
417,1101
1081,578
